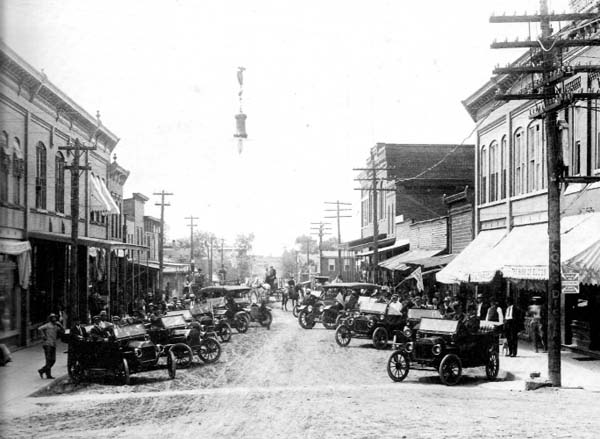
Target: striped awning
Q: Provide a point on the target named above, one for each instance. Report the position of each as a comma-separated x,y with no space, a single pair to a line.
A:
399,263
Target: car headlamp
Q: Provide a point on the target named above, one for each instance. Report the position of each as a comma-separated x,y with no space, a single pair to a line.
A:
410,346
381,317
309,308
436,349
138,352
351,321
407,332
371,323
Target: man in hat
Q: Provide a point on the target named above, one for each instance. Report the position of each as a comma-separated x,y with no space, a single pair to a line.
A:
482,308
98,331
50,332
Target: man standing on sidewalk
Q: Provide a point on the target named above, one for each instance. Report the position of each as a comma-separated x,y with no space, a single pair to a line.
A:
50,333
513,323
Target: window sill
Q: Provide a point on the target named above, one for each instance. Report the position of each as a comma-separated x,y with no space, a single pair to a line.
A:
12,205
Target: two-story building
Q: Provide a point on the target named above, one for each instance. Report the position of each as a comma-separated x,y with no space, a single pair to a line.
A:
509,255
36,119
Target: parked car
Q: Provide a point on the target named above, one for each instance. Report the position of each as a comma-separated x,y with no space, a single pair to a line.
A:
447,346
373,320
208,321
413,320
127,351
216,296
175,335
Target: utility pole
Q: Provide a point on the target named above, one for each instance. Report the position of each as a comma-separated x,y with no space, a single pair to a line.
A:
552,91
162,205
77,302
338,210
191,225
374,180
319,229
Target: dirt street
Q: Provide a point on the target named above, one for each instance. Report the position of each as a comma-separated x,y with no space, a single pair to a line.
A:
289,382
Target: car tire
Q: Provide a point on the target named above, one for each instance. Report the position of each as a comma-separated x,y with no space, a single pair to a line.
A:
398,366
124,373
295,311
241,324
450,369
380,338
268,319
492,366
183,355
225,332
305,321
209,350
343,336
171,364
75,370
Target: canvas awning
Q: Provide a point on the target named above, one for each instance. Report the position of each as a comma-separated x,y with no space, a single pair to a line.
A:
523,254
400,262
87,241
397,243
100,198
22,250
470,259
434,261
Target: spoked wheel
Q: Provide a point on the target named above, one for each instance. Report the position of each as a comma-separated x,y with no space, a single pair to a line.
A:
225,332
306,319
343,336
329,321
267,320
295,311
241,324
124,373
398,366
183,355
450,370
171,364
493,365
380,338
210,350
76,372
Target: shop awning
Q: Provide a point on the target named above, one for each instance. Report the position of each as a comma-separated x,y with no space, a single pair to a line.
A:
471,258
434,261
400,262
390,245
11,247
169,267
100,198
87,241
524,252
22,250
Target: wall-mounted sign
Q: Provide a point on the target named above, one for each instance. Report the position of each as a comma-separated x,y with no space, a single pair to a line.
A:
570,282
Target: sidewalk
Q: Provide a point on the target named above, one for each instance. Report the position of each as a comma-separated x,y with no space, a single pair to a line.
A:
577,370
20,378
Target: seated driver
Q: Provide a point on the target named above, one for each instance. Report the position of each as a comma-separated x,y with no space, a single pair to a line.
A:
98,332
352,302
231,306
472,321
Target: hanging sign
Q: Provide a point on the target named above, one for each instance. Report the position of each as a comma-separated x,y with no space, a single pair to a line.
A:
570,282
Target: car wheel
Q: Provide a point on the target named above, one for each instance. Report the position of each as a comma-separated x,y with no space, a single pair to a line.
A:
303,319
171,364
210,350
329,321
225,332
124,373
493,365
75,370
450,370
343,336
183,355
241,324
380,338
398,366
267,320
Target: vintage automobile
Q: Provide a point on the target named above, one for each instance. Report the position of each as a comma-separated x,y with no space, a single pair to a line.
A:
324,306
176,336
260,313
209,323
127,351
413,320
448,346
374,320
215,297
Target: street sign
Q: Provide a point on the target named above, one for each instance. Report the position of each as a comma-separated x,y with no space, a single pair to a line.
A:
570,282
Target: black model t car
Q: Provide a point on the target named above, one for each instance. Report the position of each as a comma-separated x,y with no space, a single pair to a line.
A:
128,350
447,346
373,320
324,306
413,320
203,315
173,334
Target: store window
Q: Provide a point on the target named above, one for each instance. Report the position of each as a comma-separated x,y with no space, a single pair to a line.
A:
8,297
40,176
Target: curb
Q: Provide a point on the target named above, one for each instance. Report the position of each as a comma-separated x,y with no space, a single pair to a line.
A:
55,383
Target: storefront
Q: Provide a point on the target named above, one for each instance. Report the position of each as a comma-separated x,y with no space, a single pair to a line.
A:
15,272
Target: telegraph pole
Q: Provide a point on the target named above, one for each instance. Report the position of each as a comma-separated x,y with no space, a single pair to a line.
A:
319,229
338,210
162,205
78,305
191,225
551,90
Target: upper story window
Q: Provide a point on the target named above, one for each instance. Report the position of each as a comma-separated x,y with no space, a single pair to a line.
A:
4,166
40,176
494,171
483,183
576,161
535,165
503,167
518,162
59,188
18,170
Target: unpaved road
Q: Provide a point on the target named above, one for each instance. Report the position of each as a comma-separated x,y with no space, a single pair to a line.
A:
289,382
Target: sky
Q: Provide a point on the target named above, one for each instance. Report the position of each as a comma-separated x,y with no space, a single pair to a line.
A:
324,82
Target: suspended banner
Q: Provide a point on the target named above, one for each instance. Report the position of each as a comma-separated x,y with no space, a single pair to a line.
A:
100,198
